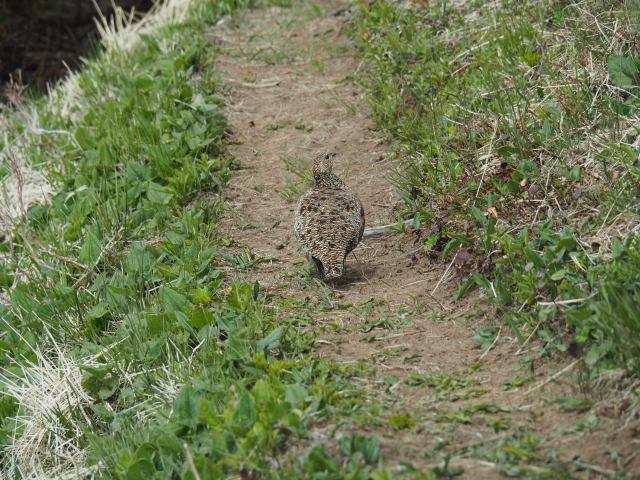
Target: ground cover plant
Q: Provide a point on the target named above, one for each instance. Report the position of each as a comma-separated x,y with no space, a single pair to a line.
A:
520,122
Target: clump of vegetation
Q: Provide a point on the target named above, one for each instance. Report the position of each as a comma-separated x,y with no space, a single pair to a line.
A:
519,121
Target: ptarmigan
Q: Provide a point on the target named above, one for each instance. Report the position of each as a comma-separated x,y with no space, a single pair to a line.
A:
329,219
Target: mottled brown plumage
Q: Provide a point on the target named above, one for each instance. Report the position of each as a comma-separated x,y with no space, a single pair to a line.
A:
329,219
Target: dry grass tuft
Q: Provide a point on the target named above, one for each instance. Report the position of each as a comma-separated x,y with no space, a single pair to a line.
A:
20,190
51,417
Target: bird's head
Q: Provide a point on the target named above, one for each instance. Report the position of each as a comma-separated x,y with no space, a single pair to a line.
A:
323,164
322,171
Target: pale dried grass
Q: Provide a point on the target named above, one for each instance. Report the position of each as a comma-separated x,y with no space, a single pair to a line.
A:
51,420
19,191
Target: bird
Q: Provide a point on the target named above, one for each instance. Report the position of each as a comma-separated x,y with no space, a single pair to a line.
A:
329,219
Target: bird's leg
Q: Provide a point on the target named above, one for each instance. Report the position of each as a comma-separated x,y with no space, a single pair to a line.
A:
361,265
317,263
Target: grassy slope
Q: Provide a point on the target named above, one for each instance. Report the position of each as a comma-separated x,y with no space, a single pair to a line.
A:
521,122
126,350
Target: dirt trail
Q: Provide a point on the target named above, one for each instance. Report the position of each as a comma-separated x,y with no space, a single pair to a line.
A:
304,104
291,95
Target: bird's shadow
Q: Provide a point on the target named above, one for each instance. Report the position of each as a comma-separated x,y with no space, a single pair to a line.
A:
354,273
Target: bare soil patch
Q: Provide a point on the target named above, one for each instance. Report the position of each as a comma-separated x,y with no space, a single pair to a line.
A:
291,94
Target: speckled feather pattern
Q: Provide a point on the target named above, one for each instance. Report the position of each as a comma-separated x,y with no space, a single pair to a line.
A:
329,219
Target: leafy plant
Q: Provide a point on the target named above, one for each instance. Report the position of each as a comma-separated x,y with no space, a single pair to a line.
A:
498,159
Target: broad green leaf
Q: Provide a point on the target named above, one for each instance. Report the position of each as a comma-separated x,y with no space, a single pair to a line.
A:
201,296
144,83
401,422
186,407
90,250
295,395
24,299
140,259
452,245
98,318
464,288
571,404
246,414
597,352
158,194
201,317
157,322
623,71
482,281
172,299
141,470
84,138
98,311
272,340
320,461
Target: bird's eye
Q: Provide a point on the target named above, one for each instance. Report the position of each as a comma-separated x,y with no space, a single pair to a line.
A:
326,156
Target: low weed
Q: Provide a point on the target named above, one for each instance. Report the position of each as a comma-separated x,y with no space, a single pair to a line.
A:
519,124
300,179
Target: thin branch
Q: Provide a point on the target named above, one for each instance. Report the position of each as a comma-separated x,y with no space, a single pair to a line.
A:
444,274
568,302
255,85
521,349
493,344
192,465
382,229
551,378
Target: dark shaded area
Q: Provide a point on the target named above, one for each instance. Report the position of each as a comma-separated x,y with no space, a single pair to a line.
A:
38,37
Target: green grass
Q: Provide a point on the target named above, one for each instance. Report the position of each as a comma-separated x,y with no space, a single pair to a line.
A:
519,124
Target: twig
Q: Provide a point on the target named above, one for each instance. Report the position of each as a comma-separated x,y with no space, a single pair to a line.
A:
630,458
613,204
493,344
373,231
389,347
364,275
568,302
18,171
489,155
340,11
595,468
38,260
71,261
444,274
255,85
91,270
415,283
470,50
551,378
442,307
519,351
192,465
